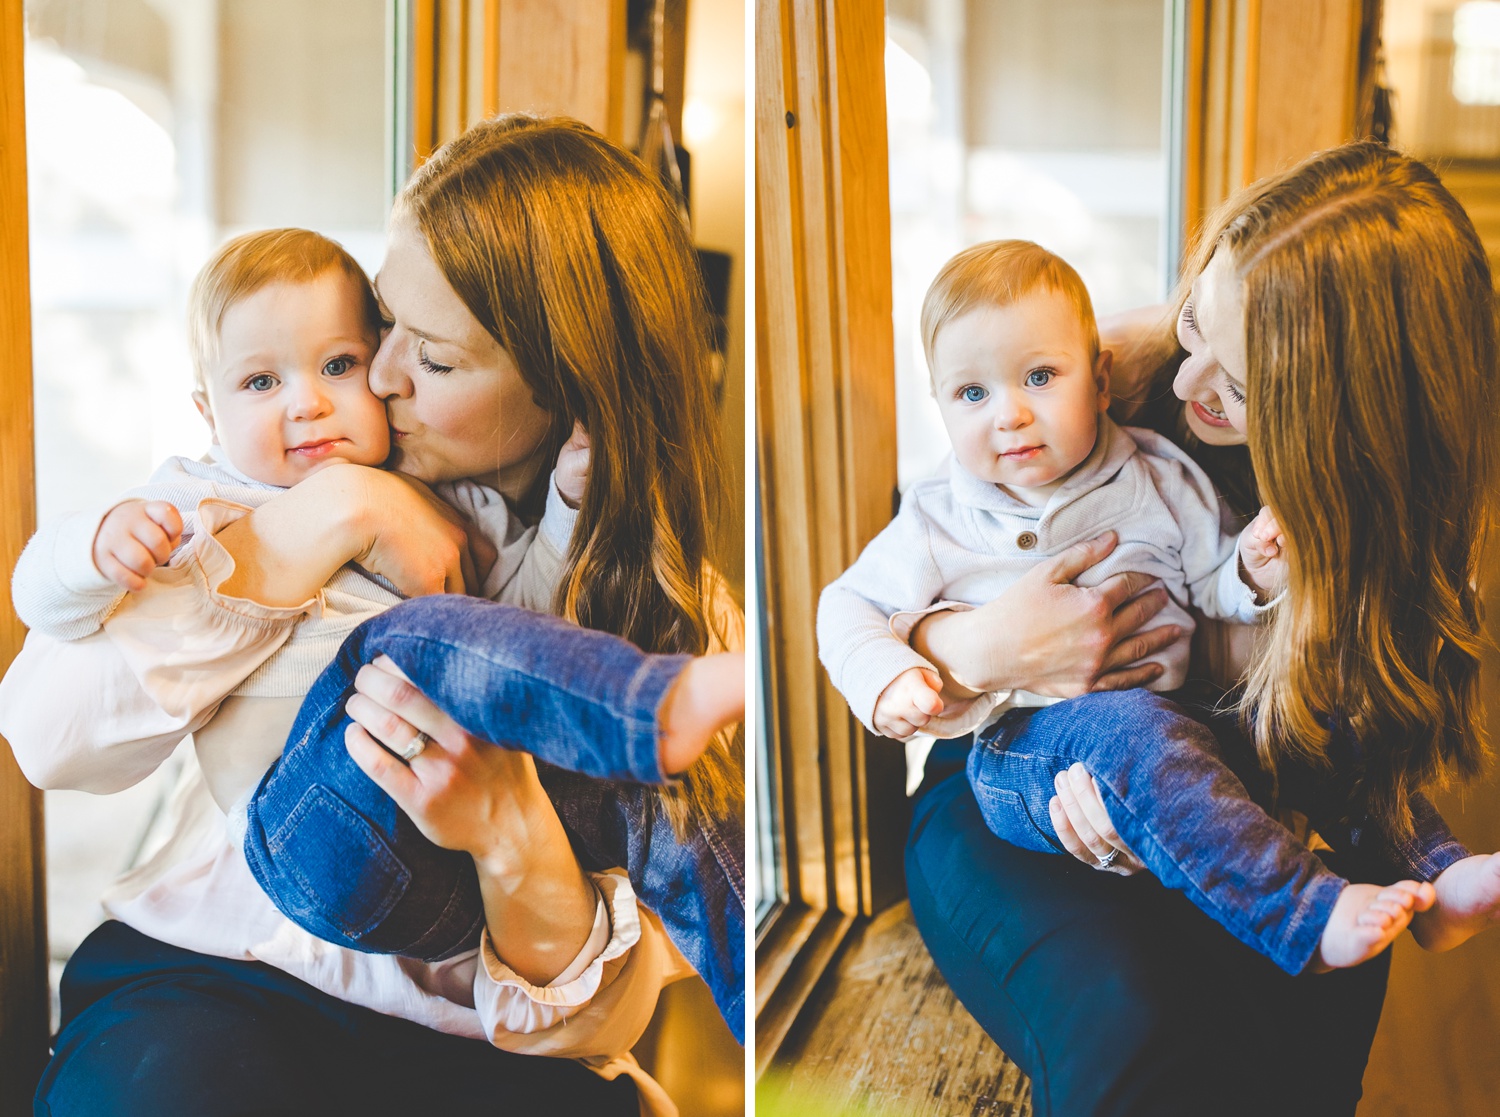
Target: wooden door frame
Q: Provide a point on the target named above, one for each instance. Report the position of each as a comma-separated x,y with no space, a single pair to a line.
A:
24,1005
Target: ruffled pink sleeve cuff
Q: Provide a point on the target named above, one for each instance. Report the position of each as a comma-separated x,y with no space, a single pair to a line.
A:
189,644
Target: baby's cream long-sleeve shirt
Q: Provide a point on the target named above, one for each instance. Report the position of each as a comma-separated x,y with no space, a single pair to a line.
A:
958,541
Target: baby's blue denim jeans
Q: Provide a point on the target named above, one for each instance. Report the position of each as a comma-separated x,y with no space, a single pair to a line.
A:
1176,802
340,859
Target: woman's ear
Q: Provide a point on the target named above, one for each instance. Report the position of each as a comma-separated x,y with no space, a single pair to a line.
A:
1104,364
200,401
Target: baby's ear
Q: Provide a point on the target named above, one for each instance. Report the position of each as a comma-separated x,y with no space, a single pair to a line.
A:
1103,365
200,401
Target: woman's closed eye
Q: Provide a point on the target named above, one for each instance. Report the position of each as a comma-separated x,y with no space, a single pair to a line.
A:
972,393
1039,377
1189,319
1233,390
428,364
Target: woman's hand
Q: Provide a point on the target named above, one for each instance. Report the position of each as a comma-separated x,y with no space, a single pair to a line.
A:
1084,828
469,795
1048,636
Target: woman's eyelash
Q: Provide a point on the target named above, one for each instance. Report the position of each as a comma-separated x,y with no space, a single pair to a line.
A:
1234,393
430,365
1189,319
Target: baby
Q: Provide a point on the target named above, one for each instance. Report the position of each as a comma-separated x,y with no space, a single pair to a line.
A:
283,327
1037,466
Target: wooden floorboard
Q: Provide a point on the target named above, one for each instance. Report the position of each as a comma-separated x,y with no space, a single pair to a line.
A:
883,1034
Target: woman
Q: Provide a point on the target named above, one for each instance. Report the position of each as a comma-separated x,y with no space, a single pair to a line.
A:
547,282
1338,321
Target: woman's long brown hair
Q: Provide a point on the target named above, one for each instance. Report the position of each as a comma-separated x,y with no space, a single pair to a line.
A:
573,257
1372,412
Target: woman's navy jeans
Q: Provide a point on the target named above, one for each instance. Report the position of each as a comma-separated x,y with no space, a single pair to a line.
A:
340,859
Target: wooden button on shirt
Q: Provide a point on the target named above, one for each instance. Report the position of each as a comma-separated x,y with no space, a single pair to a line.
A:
1026,540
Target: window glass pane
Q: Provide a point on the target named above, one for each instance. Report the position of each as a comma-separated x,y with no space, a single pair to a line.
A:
768,882
155,131
1015,119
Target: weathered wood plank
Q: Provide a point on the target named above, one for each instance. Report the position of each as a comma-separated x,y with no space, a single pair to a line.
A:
883,1033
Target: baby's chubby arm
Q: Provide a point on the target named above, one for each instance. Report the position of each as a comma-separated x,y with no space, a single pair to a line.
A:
896,573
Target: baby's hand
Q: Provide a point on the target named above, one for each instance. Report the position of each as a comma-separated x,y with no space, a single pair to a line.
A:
573,467
135,538
912,699
1263,555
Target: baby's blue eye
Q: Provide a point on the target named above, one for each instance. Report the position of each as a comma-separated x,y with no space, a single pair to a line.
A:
338,366
262,382
1038,377
972,394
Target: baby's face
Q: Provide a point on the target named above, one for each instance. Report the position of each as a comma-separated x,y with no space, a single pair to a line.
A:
290,391
1018,391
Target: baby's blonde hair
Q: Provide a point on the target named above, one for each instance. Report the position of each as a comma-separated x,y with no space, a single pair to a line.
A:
997,273
251,261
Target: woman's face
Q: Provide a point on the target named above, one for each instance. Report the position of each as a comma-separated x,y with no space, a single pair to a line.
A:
456,401
1211,380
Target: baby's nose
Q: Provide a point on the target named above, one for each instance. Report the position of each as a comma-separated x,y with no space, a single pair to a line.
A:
308,401
1011,412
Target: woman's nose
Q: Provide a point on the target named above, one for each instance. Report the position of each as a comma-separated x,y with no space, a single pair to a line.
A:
388,371
1194,379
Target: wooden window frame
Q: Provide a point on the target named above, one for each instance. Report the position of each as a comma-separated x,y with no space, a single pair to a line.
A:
24,1004
826,444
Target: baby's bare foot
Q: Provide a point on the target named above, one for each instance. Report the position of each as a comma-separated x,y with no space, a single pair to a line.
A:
1366,919
708,695
1468,901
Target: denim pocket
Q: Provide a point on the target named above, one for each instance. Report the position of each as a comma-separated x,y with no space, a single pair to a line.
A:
1005,784
348,876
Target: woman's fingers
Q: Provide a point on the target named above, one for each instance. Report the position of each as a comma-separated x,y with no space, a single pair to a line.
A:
1129,678
1138,646
393,710
1067,835
1130,587
1082,808
390,775
1097,847
1078,558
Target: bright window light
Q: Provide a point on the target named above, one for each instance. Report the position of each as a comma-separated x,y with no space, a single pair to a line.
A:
1476,57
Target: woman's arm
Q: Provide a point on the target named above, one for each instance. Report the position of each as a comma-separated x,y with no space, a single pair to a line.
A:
1048,636
486,801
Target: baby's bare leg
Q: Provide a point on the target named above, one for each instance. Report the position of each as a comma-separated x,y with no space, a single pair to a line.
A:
1468,901
708,695
1366,919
